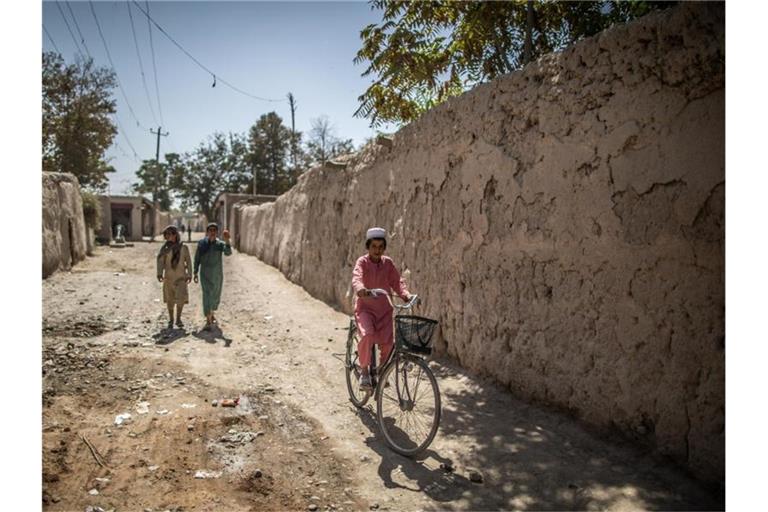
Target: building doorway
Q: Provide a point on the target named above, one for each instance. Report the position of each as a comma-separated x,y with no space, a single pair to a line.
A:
121,214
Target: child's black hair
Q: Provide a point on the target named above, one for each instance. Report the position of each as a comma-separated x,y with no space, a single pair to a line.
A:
368,242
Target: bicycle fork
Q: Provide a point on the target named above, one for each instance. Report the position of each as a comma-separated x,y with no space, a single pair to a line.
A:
372,369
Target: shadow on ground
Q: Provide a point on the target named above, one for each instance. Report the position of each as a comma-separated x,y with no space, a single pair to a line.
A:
531,458
167,336
536,458
211,336
423,474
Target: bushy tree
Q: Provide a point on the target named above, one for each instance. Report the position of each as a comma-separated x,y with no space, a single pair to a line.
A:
269,147
77,129
154,178
238,164
91,210
424,52
200,176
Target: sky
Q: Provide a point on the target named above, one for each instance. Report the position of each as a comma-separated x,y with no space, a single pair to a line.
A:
266,49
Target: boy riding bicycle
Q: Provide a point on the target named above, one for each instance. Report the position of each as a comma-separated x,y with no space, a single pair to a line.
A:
373,312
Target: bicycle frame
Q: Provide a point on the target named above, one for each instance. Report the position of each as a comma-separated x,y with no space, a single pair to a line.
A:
403,393
393,355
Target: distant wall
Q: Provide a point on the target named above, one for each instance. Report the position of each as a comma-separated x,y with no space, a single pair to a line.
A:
104,233
162,221
234,209
196,223
90,239
64,235
564,223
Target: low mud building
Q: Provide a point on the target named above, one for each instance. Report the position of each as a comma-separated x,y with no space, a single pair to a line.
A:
133,213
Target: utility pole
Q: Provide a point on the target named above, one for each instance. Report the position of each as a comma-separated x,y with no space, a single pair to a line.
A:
155,201
292,103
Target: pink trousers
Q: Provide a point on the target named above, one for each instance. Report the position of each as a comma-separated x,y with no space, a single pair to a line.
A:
375,327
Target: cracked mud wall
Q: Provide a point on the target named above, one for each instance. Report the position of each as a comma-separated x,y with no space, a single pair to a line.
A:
64,235
564,223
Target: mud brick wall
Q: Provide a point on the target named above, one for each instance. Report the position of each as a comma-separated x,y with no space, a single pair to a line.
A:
162,221
64,235
564,223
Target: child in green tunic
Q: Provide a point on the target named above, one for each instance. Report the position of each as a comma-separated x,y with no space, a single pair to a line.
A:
208,263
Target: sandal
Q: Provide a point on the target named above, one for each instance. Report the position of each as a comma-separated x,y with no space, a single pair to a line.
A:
365,383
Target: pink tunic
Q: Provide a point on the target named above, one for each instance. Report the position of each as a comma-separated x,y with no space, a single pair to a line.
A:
374,314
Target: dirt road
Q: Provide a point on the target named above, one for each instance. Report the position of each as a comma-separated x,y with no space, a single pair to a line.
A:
294,441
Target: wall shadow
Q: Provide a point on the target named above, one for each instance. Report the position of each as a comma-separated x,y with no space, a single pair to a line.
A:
535,458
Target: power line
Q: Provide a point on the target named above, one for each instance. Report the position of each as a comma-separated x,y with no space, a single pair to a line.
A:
141,65
170,143
51,40
120,148
125,136
77,26
114,68
154,65
74,39
200,64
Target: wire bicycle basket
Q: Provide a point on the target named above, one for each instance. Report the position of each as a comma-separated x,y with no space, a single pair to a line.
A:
414,333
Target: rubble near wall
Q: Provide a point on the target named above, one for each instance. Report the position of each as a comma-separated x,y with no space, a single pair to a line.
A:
565,225
64,235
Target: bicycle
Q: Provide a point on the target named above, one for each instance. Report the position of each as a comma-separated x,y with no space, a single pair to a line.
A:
408,420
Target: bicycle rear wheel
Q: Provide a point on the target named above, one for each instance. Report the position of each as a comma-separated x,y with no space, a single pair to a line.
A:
352,367
408,405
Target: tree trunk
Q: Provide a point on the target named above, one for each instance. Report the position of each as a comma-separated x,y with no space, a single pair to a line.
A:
528,47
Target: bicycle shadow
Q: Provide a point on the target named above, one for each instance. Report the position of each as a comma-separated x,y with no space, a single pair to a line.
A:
423,474
211,336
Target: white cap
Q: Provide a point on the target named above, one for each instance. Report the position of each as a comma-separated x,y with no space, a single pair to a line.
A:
375,233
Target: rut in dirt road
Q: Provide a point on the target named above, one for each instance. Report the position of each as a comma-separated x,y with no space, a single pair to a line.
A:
281,347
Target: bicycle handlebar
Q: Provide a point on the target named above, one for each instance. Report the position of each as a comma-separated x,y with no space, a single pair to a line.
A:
415,300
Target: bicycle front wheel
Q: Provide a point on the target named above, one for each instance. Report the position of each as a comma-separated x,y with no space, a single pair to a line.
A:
352,366
408,405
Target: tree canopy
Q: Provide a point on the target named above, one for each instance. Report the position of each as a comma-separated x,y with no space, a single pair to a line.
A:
425,52
259,160
202,174
270,144
77,129
155,178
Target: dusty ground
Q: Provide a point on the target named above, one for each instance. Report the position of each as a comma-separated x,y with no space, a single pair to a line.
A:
294,441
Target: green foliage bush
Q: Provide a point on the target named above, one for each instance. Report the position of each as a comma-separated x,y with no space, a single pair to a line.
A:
91,210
